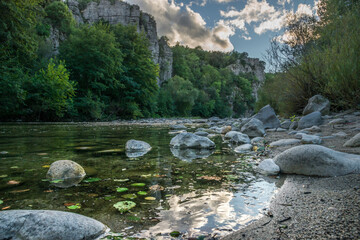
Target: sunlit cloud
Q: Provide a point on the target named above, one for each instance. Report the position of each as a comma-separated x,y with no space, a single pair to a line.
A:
183,25
259,15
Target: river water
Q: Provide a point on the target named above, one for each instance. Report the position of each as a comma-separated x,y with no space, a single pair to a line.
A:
212,195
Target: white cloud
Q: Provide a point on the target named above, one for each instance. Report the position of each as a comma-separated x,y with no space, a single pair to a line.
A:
282,2
246,37
304,9
187,26
260,13
223,1
253,11
274,23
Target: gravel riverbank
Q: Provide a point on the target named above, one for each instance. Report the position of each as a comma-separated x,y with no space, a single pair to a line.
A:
313,207
310,208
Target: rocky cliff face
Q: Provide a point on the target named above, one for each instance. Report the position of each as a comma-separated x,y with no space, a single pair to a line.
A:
115,12
252,66
165,60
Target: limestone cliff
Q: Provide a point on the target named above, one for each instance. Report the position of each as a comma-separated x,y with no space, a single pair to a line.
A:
252,66
117,11
165,60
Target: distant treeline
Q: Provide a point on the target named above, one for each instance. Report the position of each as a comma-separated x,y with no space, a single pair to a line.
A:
104,72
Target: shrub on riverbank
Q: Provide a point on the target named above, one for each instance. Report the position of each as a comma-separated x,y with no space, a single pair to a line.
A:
321,57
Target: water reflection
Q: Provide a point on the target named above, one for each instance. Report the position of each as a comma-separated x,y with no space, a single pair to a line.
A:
67,182
215,212
136,154
211,192
191,154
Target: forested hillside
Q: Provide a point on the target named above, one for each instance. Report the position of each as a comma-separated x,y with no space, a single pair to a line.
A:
104,71
204,86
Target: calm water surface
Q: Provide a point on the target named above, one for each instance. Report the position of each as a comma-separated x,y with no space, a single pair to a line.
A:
210,196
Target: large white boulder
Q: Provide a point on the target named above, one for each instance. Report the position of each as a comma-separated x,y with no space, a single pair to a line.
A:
317,160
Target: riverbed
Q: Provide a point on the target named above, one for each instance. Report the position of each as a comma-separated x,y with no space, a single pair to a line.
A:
209,195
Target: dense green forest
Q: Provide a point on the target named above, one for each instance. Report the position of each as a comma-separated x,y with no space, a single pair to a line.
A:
104,72
203,86
321,56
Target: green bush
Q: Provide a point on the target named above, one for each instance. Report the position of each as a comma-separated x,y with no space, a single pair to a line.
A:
49,92
60,16
327,64
183,93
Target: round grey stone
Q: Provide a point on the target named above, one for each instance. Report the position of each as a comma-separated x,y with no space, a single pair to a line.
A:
48,225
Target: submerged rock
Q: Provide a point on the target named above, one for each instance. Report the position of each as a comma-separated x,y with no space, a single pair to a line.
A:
46,224
178,127
268,117
253,128
137,146
312,119
69,172
317,103
317,160
190,140
268,167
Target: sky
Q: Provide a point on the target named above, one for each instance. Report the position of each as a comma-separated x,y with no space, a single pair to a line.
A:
224,25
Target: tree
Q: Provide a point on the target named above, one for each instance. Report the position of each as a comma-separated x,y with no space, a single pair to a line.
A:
95,63
17,38
140,73
183,93
59,16
320,56
50,92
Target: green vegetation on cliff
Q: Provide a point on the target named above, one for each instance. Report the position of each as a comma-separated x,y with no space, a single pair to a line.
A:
320,57
54,69
203,86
